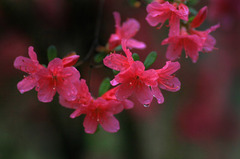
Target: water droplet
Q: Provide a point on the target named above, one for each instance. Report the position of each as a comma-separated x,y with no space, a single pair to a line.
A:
98,119
54,88
146,105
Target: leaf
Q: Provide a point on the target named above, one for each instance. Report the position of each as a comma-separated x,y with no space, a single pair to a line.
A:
192,2
115,72
51,52
118,48
150,59
98,58
135,57
193,11
191,19
104,87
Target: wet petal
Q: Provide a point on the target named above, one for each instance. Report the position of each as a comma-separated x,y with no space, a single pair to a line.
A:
27,84
109,123
144,94
90,124
157,94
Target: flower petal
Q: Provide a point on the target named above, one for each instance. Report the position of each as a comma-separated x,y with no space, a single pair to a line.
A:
130,28
70,60
90,124
116,62
109,123
132,43
124,91
157,94
144,94
27,84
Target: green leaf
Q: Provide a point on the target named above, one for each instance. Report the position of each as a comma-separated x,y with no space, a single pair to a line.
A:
51,52
193,11
135,57
191,19
192,2
104,87
150,59
118,48
98,58
115,72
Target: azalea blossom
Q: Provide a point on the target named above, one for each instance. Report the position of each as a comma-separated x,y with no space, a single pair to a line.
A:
57,78
159,13
70,60
30,66
166,80
127,31
191,40
119,62
99,111
132,79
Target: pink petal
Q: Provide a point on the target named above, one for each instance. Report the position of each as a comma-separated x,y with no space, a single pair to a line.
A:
55,65
200,17
132,43
130,28
71,73
114,41
174,49
183,11
46,90
144,94
192,45
32,54
209,44
157,94
109,123
149,77
172,85
127,51
77,113
66,89
90,124
114,82
117,20
27,84
124,91
127,104
70,60
169,68
25,64
174,23
116,62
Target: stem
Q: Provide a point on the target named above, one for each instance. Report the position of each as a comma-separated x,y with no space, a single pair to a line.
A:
96,35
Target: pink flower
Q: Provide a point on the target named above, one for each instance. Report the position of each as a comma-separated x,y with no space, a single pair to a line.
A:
30,66
100,111
191,43
159,13
119,62
83,97
110,95
126,31
191,40
135,80
57,78
166,80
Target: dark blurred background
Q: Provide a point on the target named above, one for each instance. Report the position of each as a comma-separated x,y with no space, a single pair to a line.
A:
201,121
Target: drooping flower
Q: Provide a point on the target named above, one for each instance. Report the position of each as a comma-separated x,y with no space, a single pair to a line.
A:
83,97
159,13
126,31
57,78
191,40
166,80
99,111
30,66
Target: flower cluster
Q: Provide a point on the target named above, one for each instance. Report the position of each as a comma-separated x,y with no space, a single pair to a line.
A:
182,35
133,77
